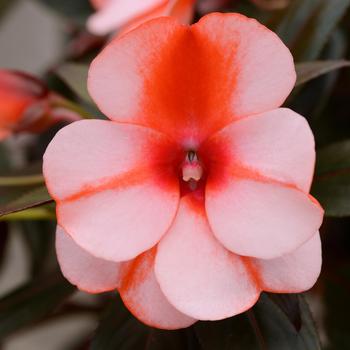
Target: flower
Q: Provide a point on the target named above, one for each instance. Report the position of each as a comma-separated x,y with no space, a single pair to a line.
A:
194,197
113,15
26,104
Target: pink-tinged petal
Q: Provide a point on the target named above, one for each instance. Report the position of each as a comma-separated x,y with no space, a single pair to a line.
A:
116,13
197,274
119,224
141,294
255,72
294,272
82,269
115,190
278,144
93,154
222,68
117,75
261,219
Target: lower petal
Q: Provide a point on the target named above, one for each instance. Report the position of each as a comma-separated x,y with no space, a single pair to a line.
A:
199,276
261,219
142,296
88,273
292,273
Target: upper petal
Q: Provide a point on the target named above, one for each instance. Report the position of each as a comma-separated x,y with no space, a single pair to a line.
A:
294,272
278,144
82,269
113,14
197,274
191,81
141,294
259,218
102,176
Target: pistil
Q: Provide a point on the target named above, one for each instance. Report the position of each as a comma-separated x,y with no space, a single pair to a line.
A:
192,170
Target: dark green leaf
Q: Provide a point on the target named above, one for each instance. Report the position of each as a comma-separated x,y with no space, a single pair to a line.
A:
38,237
77,10
118,329
332,180
20,198
75,76
276,322
337,309
289,23
182,339
290,305
318,29
306,26
277,330
31,302
234,333
307,71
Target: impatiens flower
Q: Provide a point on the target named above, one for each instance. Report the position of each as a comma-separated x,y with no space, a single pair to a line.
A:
124,15
194,197
26,104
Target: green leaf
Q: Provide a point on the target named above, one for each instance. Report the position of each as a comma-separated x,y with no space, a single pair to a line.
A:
337,308
32,302
233,333
38,237
75,76
318,29
182,339
118,329
278,331
20,198
307,71
306,25
332,179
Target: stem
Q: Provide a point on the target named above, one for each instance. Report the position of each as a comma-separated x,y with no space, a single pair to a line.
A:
30,214
21,180
58,101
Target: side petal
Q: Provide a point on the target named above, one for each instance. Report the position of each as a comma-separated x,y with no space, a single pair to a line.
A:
221,69
292,273
261,219
278,145
141,294
116,13
199,276
88,273
116,194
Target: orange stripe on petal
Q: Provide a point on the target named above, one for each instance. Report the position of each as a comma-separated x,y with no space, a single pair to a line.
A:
128,179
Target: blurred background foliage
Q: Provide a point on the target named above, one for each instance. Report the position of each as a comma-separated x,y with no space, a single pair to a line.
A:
318,34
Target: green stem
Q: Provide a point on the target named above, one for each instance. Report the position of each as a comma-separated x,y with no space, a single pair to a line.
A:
30,214
21,180
59,101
